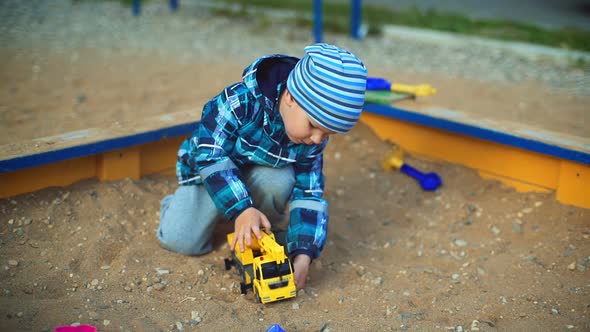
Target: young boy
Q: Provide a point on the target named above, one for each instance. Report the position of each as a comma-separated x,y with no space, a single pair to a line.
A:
258,147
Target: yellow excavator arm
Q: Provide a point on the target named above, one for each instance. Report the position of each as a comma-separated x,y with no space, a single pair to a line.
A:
269,246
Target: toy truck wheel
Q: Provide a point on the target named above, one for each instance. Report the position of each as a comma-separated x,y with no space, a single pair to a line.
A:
228,263
257,296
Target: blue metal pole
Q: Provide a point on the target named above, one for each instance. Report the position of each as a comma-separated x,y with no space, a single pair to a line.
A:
136,7
173,5
317,26
355,19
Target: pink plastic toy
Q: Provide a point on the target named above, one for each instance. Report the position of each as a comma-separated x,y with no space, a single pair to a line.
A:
79,328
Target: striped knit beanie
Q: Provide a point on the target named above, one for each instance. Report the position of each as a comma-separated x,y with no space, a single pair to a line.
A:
329,84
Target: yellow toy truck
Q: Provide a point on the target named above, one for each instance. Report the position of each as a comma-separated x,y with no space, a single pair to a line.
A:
265,268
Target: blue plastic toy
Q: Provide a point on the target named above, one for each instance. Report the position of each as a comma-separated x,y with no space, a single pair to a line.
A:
428,181
275,328
378,83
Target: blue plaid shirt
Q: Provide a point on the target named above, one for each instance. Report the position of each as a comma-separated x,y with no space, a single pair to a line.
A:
241,126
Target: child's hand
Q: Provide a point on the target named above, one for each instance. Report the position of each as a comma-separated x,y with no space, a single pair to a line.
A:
301,267
248,222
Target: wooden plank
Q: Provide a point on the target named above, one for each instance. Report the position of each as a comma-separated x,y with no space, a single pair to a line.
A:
61,173
574,184
41,151
553,144
523,157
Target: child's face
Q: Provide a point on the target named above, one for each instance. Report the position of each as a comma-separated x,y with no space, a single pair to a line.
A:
301,129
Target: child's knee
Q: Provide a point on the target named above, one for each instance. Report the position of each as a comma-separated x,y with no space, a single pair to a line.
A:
187,220
183,243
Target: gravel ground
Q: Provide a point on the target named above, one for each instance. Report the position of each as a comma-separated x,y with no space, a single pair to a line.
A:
192,33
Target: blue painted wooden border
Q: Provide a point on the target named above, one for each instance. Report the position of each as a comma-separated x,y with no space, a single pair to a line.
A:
15,164
479,132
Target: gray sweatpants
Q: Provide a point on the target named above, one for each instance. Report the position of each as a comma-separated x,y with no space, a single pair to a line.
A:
188,217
